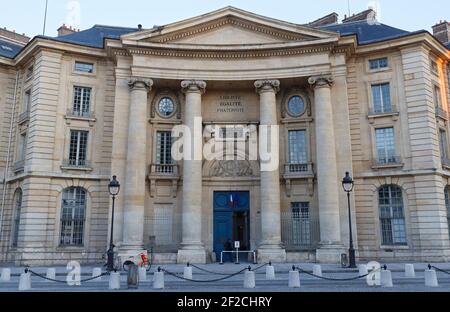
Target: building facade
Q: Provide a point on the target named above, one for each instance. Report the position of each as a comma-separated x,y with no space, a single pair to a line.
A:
357,96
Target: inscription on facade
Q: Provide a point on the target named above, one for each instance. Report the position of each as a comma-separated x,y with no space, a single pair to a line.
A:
230,104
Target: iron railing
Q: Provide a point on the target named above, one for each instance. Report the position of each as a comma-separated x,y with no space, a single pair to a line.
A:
73,163
79,114
387,161
299,232
440,112
298,169
19,166
24,117
385,111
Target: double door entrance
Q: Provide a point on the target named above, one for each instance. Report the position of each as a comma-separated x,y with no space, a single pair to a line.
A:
231,221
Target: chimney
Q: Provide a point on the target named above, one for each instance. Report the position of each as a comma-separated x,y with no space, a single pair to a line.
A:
325,21
366,15
11,35
66,30
442,31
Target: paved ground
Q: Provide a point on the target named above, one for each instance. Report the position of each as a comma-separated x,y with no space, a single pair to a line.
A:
235,284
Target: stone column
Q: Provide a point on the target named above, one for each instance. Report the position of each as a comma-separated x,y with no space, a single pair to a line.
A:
327,178
134,188
192,249
270,248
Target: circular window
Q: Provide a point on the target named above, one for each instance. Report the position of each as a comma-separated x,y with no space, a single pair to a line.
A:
296,106
166,107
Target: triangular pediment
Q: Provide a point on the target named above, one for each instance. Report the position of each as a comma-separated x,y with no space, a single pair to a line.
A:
228,26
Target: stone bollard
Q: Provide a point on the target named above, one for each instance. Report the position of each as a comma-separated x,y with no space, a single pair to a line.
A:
25,281
114,280
294,278
142,274
386,278
6,275
410,271
431,278
270,272
317,270
97,272
187,274
249,279
158,281
51,273
362,268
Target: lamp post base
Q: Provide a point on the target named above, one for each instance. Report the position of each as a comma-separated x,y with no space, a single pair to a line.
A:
351,258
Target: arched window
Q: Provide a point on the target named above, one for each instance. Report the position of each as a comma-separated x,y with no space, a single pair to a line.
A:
392,218
447,205
73,212
17,212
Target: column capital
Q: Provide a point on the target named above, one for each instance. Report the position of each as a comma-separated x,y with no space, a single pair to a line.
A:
140,83
267,86
321,81
193,86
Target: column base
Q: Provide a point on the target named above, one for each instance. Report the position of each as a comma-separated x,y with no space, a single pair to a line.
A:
274,254
330,254
195,255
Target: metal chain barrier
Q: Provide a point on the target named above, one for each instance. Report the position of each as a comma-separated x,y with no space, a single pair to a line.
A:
60,281
218,273
437,269
335,279
204,281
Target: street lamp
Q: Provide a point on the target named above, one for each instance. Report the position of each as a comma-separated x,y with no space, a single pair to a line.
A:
348,184
114,189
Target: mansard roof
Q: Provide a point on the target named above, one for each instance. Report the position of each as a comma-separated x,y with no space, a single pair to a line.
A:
9,49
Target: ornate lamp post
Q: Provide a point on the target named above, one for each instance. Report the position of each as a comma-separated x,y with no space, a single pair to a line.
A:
114,189
348,184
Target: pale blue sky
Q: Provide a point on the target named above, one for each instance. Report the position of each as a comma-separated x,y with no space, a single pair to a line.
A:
26,16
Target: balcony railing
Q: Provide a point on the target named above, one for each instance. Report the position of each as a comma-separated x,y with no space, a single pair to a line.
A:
164,169
71,113
392,111
24,117
445,162
80,164
19,166
391,161
440,112
298,169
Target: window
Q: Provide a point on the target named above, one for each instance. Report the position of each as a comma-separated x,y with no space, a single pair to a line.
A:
84,67
393,226
27,102
30,72
78,148
296,106
443,143
381,98
434,67
73,211
437,97
17,212
21,153
166,107
298,153
385,145
447,205
81,101
378,63
164,148
301,226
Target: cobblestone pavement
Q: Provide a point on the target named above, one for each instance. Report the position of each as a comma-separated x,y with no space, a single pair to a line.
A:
235,284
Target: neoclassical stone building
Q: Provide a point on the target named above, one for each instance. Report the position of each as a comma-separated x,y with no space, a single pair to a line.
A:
355,96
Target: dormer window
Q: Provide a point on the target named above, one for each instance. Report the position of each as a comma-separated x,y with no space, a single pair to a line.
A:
379,63
83,67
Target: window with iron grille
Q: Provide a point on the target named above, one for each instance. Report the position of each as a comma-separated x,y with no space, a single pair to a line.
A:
447,205
81,101
21,153
84,67
385,144
164,148
298,153
301,223
381,98
78,148
437,97
378,63
392,219
27,102
443,143
73,213
18,195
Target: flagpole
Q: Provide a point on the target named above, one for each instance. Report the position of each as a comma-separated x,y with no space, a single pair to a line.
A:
45,17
